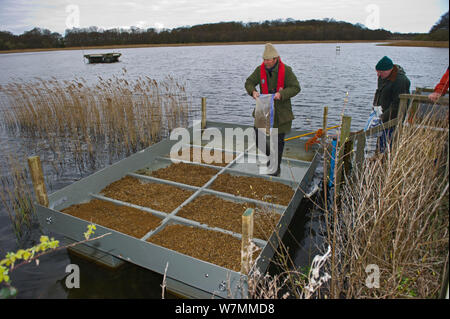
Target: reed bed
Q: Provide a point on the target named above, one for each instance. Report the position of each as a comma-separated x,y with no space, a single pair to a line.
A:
91,124
16,197
386,233
416,43
390,223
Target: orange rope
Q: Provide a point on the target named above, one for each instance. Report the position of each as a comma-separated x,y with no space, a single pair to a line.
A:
310,133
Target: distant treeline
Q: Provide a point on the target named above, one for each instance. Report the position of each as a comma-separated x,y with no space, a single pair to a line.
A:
439,31
276,30
229,32
33,39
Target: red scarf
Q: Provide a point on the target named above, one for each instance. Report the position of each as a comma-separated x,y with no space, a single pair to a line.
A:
280,81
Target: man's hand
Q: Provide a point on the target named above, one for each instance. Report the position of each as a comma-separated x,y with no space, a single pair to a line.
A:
278,95
434,96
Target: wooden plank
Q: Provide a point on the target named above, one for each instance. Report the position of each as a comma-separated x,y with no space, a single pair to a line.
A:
345,133
374,130
348,156
247,235
423,98
403,106
420,90
37,177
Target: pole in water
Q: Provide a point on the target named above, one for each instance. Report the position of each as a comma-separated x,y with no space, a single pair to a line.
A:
203,113
37,178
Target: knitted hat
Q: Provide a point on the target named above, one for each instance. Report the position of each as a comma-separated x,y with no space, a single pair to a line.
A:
384,64
270,52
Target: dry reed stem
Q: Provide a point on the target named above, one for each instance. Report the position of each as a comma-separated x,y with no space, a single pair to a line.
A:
74,126
82,122
394,215
16,196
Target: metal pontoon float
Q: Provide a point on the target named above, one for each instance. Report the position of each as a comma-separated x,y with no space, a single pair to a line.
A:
185,275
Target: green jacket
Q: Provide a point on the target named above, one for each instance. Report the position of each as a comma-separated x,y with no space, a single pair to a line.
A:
388,91
283,108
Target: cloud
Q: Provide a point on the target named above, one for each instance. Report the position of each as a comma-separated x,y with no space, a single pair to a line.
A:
400,15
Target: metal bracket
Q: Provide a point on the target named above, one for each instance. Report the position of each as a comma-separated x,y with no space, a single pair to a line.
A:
223,285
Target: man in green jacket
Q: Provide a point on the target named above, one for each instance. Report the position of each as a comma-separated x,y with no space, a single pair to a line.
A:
392,81
274,77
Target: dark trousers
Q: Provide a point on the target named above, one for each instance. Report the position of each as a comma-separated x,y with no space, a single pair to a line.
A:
385,139
279,139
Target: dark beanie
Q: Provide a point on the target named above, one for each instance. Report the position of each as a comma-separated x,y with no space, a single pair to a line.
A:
384,64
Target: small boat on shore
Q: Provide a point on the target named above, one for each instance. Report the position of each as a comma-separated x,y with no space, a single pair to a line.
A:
103,57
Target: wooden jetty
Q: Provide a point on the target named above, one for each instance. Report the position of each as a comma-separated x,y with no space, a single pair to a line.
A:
352,144
103,57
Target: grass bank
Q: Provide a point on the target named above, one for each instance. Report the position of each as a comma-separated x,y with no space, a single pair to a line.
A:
406,43
111,47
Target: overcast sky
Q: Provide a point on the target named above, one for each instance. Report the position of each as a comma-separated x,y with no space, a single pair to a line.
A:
404,16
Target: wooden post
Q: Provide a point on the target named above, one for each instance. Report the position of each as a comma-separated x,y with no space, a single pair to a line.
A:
324,124
247,235
402,107
360,146
37,177
412,109
203,113
403,111
348,155
345,133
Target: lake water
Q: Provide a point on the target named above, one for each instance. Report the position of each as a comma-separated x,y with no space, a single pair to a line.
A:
217,73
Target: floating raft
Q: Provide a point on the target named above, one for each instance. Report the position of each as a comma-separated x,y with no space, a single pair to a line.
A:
103,57
145,183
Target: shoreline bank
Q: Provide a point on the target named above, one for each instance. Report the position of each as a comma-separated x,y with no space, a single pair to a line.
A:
438,44
410,43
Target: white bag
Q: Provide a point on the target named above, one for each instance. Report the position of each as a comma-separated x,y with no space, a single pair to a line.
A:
374,118
264,112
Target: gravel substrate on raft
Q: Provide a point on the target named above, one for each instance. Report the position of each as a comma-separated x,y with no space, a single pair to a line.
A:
217,212
161,197
211,246
183,173
254,187
127,220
